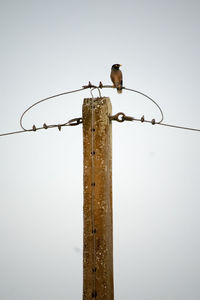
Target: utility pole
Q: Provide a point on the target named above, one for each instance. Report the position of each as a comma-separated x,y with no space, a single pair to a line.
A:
97,212
98,225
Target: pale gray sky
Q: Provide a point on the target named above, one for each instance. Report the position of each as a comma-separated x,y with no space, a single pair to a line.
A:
48,47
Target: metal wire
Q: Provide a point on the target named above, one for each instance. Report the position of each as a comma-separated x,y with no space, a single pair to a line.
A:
15,132
72,122
45,99
138,92
179,127
128,89
165,124
93,87
121,117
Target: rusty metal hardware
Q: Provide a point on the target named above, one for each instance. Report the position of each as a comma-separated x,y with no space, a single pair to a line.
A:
120,117
74,122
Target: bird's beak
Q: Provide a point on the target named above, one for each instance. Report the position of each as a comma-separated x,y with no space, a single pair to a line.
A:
120,65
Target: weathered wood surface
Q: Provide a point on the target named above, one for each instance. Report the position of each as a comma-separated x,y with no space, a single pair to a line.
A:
98,227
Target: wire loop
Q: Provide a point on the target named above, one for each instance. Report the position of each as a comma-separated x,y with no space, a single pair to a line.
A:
45,99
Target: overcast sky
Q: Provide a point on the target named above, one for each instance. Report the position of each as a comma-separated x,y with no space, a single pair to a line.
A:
49,47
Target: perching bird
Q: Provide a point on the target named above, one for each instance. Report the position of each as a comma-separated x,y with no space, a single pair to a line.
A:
116,77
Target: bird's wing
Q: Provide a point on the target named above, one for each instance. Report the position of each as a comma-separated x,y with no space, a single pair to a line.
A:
112,76
121,78
116,77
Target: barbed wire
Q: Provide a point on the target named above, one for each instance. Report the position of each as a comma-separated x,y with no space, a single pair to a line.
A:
120,117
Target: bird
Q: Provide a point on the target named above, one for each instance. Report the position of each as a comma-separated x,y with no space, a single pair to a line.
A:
116,77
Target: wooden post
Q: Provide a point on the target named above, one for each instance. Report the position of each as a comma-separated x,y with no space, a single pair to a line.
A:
98,231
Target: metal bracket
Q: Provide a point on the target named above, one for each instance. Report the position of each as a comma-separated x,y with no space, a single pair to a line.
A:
74,122
120,117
